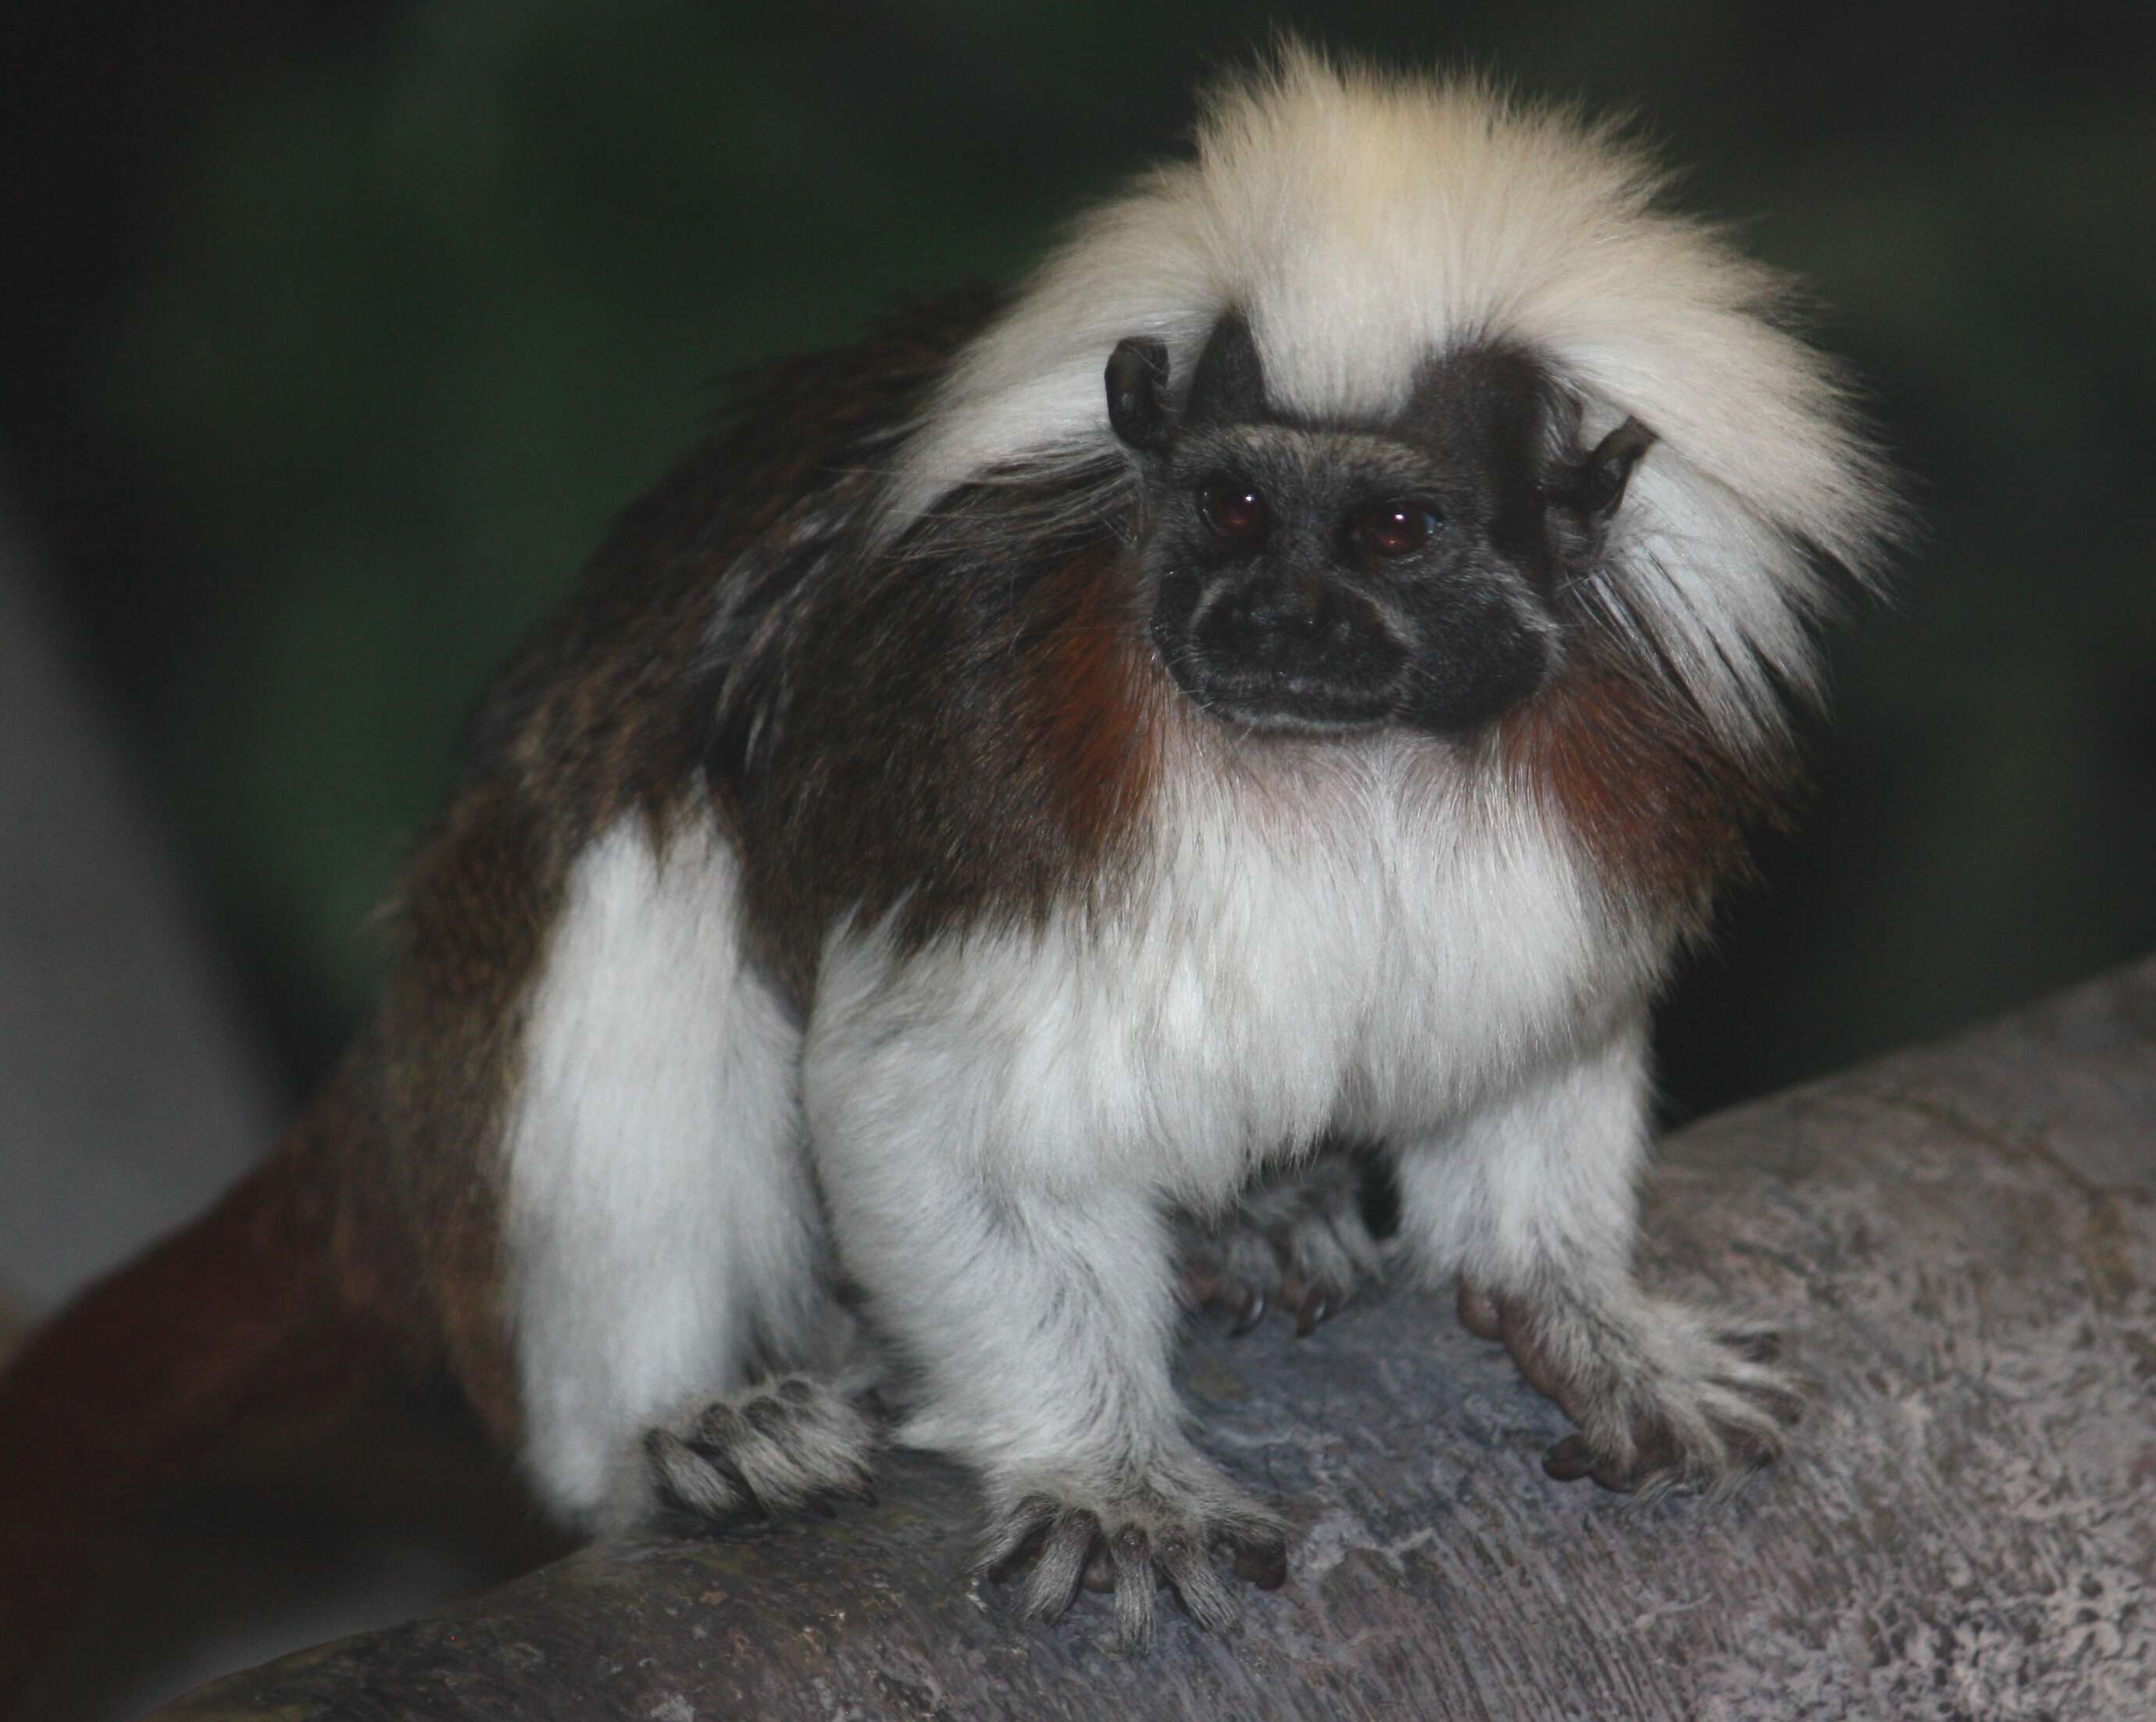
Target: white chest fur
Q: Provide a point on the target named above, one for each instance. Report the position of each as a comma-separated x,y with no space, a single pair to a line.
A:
1378,951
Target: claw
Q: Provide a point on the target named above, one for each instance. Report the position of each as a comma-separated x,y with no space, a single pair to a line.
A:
1251,1310
1262,1563
1568,1460
1787,1408
1753,1347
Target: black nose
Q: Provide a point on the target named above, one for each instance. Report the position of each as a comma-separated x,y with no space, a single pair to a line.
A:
1284,622
1286,648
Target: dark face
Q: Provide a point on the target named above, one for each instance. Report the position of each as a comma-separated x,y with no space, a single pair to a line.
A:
1321,578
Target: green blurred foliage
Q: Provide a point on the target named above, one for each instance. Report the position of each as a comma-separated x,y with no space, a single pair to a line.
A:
421,310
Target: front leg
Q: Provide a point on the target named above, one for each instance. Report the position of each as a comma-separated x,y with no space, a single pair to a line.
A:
1037,1307
1532,1205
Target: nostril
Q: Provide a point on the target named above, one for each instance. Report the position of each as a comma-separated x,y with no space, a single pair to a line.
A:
1280,606
1280,649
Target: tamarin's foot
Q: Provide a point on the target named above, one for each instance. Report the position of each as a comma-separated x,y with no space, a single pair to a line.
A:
781,1445
1299,1243
1662,1397
1158,1525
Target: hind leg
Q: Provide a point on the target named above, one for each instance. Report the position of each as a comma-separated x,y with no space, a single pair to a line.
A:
677,1342
783,1442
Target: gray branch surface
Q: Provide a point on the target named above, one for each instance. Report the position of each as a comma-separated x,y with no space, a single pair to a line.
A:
1960,1243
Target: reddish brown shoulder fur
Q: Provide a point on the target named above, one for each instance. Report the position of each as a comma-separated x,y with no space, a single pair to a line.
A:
1661,804
1092,704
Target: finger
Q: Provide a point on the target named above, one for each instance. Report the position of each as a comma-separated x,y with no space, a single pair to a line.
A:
1018,1539
1053,1583
1135,1585
1198,1587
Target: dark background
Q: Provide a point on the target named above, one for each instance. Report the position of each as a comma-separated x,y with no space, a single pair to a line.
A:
334,332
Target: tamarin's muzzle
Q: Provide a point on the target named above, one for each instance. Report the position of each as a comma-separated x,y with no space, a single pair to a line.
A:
1280,650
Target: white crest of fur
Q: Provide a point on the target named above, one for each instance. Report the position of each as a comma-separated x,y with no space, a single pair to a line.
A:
1365,224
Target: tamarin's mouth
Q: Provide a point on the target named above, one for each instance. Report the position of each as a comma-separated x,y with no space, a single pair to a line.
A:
1275,697
1280,652
1328,658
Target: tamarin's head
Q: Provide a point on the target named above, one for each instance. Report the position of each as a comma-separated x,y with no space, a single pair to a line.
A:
1417,395
1323,576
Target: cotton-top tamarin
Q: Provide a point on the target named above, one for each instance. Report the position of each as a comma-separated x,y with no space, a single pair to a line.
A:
1292,673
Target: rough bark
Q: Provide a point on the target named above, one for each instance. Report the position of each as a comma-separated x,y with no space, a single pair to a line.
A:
1960,1243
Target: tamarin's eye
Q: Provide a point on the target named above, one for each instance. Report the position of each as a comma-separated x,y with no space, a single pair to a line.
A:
1235,510
1394,529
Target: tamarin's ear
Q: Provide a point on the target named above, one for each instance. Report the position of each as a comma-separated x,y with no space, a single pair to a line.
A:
1595,487
1138,410
1228,386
